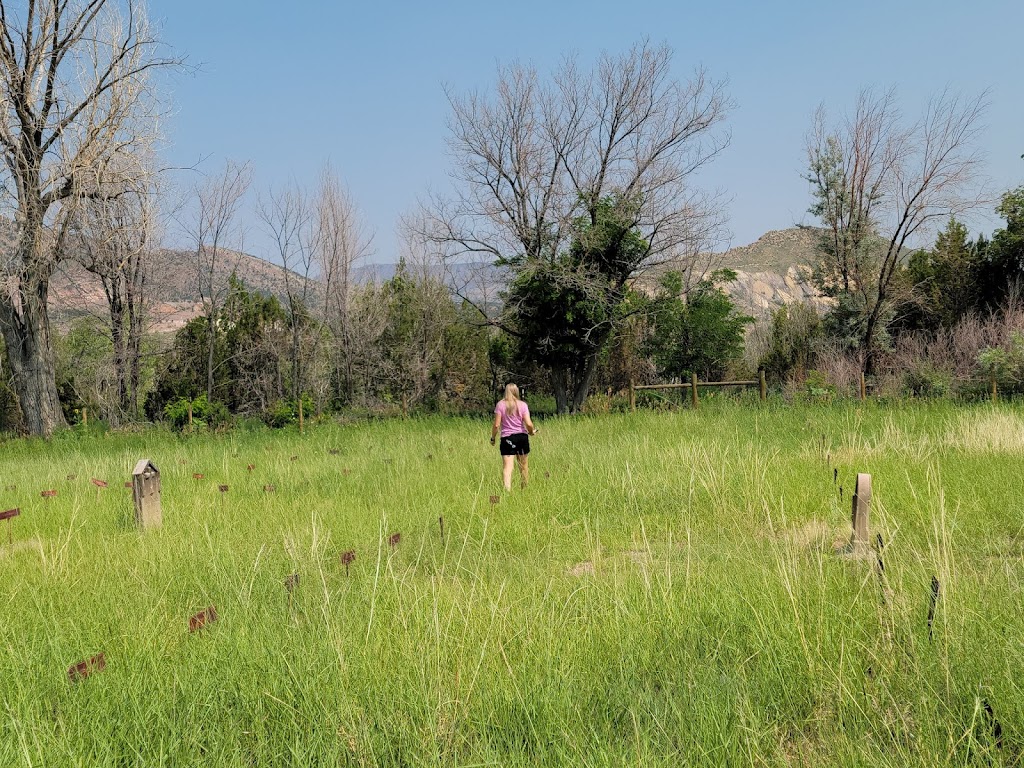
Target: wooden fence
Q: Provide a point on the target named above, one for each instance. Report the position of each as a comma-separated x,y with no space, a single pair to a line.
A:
694,386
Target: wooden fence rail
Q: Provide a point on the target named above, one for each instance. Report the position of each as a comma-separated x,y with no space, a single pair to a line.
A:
694,386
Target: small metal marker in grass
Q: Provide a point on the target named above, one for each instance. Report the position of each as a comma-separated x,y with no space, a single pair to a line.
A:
198,476
9,515
495,500
861,510
98,483
931,605
295,458
290,583
72,478
394,540
346,471
222,488
250,467
440,522
993,723
83,669
48,494
334,451
203,619
347,558
127,483
269,488
430,457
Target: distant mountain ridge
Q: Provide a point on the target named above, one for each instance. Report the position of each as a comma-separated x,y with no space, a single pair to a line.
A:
773,270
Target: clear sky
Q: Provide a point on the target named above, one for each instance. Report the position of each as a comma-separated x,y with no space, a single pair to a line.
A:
290,86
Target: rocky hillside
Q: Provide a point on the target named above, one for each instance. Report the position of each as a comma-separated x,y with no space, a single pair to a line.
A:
770,272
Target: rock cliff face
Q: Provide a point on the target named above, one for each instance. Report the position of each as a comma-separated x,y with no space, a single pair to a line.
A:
774,270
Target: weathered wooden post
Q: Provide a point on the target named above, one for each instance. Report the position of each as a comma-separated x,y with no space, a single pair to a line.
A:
146,492
764,385
861,508
85,418
632,395
995,390
693,389
863,387
190,415
301,420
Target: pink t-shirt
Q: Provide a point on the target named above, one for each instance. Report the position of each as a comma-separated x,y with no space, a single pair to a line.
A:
512,423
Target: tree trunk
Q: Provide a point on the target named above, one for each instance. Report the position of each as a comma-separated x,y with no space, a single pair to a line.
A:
26,331
559,383
583,382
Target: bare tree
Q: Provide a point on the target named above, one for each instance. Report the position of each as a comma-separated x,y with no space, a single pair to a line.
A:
114,237
288,218
341,242
75,88
539,166
213,230
880,186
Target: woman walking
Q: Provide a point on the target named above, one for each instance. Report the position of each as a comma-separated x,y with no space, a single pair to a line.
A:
512,420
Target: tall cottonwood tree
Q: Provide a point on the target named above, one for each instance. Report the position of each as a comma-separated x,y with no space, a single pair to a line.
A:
879,184
74,82
541,165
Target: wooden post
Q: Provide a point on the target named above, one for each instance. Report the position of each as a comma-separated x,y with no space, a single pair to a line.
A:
764,385
190,414
861,510
405,405
693,389
301,421
995,390
85,418
632,396
863,387
146,492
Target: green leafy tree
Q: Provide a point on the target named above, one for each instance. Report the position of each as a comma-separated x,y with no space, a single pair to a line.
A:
700,332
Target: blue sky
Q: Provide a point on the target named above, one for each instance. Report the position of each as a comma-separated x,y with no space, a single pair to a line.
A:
292,86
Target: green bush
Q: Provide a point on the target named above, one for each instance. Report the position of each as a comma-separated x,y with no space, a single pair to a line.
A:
204,413
282,413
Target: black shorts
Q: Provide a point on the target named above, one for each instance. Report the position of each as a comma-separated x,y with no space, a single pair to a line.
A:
515,445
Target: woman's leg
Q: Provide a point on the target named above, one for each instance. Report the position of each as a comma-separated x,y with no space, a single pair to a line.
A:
524,469
506,471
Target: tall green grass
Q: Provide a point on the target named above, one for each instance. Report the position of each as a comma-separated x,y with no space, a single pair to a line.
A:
665,592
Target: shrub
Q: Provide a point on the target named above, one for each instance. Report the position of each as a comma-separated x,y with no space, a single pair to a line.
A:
204,413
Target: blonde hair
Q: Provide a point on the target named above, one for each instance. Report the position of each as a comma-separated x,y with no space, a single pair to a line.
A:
511,397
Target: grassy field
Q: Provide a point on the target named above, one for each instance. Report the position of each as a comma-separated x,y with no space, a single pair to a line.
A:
666,592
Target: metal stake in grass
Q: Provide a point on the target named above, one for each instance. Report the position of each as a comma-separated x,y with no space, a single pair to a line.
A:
394,540
48,494
290,583
100,484
10,514
347,558
861,508
495,500
931,605
995,726
440,522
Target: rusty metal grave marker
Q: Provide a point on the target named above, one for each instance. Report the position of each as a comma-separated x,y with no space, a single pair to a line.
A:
222,488
250,467
290,583
269,488
440,522
547,475
394,540
295,458
9,516
835,476
203,619
932,604
347,558
198,476
98,483
494,500
83,669
334,451
48,494
146,494
72,478
127,483
860,511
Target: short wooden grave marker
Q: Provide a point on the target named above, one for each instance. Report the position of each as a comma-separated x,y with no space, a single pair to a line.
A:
861,510
48,494
9,516
203,619
146,494
394,540
347,558
83,669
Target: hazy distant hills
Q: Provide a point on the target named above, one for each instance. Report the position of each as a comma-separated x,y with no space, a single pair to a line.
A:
771,271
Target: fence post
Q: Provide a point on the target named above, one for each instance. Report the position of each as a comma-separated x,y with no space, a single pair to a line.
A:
190,414
693,389
863,387
301,419
995,390
764,385
85,415
632,396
